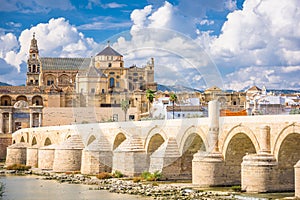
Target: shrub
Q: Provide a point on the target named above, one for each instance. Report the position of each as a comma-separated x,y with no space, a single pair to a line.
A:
236,188
117,174
19,167
137,179
146,175
104,175
151,177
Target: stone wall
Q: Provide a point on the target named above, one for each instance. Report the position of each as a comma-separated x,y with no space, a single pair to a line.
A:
53,116
5,141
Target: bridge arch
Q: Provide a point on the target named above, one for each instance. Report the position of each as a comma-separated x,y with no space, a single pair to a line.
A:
33,141
192,141
91,139
119,138
192,132
47,142
287,152
154,135
239,142
224,142
292,128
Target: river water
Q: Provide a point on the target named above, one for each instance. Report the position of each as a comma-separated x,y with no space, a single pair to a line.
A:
34,188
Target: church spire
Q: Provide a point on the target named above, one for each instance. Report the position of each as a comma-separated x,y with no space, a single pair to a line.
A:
33,45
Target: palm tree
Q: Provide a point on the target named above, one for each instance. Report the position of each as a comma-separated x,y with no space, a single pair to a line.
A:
150,96
125,106
173,98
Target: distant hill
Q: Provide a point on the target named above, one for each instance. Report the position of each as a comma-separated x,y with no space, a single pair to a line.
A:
181,88
4,84
176,88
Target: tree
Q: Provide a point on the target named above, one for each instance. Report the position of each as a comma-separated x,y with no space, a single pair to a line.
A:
150,97
125,106
173,98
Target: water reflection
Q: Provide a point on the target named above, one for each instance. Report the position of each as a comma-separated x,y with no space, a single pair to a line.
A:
33,188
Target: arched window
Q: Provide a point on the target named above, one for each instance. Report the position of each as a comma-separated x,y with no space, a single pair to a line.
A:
111,82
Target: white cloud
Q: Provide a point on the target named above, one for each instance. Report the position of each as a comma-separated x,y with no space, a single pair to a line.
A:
114,5
57,38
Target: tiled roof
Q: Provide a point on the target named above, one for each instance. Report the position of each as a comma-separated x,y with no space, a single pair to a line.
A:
108,51
64,63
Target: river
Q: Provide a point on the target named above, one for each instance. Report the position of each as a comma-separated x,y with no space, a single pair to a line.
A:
34,188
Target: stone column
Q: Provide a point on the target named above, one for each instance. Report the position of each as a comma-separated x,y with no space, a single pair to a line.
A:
265,139
208,166
297,179
10,122
40,119
213,132
30,119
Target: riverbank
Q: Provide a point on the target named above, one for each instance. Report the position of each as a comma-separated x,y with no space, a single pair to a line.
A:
152,190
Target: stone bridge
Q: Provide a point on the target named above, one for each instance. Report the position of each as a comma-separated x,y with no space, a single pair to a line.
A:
257,152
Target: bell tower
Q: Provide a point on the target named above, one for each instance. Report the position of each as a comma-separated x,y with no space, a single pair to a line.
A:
33,64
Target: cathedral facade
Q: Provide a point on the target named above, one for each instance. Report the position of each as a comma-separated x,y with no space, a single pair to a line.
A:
101,81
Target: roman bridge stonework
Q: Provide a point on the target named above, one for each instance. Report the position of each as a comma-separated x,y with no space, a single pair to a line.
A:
257,152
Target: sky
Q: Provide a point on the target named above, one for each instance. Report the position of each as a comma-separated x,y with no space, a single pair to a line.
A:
232,44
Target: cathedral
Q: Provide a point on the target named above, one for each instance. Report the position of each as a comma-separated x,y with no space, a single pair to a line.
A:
55,84
101,74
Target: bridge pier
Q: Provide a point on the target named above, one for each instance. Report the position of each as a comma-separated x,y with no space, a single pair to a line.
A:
297,180
130,158
259,173
259,170
208,167
96,157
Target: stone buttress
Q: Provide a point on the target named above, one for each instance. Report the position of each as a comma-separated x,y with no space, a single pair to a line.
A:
97,157
67,156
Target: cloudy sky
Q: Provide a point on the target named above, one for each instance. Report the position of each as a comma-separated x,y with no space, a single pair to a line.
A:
233,44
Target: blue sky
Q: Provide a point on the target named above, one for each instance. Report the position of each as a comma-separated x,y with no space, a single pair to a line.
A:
233,44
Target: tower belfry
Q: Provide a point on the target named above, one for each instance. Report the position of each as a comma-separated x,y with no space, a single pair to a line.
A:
33,63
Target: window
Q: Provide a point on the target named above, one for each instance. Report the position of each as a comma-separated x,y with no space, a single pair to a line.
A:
131,117
36,81
33,55
103,91
109,64
50,82
29,69
111,82
34,68
117,84
135,74
38,69
121,64
178,115
111,73
31,81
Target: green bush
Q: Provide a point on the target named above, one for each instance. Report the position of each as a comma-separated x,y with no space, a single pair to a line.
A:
236,188
19,167
117,174
151,176
104,175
